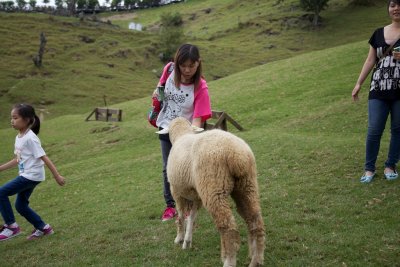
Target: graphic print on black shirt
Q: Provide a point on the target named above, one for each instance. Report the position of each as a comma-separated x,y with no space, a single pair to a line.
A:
385,79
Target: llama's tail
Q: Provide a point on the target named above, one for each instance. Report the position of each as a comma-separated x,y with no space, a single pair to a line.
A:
242,164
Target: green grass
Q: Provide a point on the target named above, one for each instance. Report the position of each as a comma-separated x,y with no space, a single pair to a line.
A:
308,139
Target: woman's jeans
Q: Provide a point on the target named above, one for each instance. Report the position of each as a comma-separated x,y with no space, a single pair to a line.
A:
23,188
165,149
378,112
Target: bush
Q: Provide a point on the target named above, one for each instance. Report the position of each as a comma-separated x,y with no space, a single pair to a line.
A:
171,20
316,6
171,35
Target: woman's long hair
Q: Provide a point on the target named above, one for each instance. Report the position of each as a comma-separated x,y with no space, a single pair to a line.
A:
27,112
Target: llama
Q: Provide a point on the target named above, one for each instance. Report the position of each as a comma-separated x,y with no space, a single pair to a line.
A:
204,170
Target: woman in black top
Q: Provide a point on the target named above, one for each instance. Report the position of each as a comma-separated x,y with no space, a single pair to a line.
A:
384,94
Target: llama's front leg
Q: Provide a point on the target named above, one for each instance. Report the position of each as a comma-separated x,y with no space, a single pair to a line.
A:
180,229
187,243
180,226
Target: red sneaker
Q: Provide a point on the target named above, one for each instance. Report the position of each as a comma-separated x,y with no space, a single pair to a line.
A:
169,213
7,232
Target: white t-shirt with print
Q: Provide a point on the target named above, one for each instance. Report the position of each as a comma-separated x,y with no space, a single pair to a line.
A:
178,102
28,151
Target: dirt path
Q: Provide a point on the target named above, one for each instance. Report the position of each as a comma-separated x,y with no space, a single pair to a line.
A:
127,16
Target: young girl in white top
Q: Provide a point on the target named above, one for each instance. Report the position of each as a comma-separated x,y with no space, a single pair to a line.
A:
30,159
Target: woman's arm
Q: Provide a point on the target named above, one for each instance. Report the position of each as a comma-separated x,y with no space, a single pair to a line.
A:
367,67
59,179
9,165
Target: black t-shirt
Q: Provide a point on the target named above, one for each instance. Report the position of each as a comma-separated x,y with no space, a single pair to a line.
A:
385,80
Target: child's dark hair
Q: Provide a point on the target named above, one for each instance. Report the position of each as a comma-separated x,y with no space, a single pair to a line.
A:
394,1
27,112
184,53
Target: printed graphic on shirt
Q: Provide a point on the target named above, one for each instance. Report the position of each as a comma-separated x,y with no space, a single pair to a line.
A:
387,75
175,99
19,160
385,80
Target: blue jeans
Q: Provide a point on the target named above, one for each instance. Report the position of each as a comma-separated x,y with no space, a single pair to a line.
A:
23,188
378,112
165,149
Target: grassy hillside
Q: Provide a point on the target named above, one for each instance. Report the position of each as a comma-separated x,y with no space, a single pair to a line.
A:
308,138
123,65
254,32
76,74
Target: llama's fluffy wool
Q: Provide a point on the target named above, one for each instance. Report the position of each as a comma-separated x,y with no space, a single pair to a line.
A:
205,169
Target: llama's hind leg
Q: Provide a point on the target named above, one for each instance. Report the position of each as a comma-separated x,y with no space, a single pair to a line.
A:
218,206
248,205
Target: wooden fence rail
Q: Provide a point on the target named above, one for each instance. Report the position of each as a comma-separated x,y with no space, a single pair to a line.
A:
221,121
106,114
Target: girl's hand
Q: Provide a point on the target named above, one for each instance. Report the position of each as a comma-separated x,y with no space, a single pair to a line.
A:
355,92
155,93
60,180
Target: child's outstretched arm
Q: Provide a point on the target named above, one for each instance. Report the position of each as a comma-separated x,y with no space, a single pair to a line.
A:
9,165
59,179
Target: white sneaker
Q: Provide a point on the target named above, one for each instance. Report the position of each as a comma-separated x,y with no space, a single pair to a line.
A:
7,232
163,131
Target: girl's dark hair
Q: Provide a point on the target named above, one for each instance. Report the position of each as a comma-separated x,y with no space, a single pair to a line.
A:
27,112
184,53
394,1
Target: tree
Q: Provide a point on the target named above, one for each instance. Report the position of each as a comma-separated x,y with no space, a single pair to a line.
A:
316,6
71,6
81,4
21,4
37,60
59,3
91,4
46,2
129,3
116,3
32,3
364,2
171,34
10,5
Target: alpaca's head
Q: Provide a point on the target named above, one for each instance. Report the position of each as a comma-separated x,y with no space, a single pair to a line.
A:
178,127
